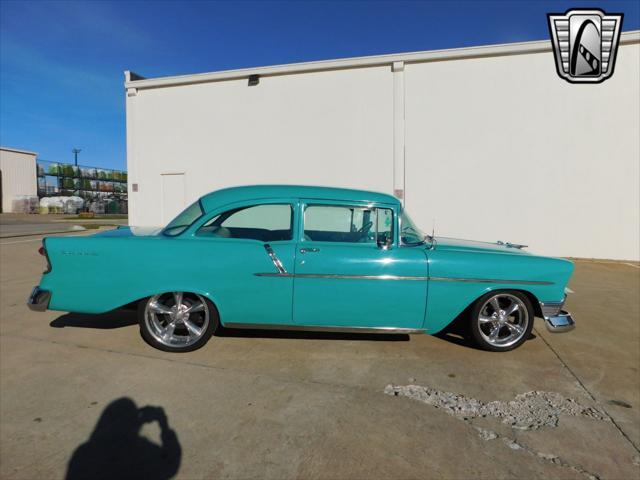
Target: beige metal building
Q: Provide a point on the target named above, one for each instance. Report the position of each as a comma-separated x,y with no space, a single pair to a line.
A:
486,142
17,175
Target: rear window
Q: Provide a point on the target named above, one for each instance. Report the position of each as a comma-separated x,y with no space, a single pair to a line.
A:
264,222
184,220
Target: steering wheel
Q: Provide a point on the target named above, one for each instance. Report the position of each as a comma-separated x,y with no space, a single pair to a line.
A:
365,228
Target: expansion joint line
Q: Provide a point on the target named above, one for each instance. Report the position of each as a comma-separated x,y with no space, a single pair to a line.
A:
591,395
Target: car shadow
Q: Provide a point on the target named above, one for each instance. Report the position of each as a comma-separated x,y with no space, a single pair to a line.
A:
125,318
457,332
116,448
105,321
310,335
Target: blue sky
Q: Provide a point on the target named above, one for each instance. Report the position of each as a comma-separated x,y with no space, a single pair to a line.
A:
62,62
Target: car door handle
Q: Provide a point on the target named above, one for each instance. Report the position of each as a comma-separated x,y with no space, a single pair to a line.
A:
309,250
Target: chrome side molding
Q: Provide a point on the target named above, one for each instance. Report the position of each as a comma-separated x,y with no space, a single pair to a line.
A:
272,274
313,328
338,276
489,280
274,258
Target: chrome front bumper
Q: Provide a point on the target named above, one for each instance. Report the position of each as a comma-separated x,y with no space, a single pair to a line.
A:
556,319
39,299
562,322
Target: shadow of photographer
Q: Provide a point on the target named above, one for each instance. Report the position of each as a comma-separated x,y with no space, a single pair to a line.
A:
116,449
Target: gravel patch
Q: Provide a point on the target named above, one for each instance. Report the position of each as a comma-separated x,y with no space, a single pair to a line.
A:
528,411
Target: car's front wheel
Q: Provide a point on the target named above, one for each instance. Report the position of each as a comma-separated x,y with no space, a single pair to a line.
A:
177,321
501,321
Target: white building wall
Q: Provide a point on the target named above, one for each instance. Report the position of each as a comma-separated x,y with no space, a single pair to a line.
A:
489,142
18,175
501,148
331,128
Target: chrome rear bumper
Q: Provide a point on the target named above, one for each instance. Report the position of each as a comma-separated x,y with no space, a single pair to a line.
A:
39,299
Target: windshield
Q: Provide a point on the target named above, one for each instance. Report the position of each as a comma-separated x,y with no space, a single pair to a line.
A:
409,233
179,224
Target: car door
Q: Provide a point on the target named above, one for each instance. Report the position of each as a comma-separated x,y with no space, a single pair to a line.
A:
243,250
349,271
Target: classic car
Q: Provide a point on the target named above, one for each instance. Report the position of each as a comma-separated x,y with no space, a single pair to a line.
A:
305,258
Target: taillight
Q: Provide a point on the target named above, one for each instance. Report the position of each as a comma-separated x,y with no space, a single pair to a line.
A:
43,251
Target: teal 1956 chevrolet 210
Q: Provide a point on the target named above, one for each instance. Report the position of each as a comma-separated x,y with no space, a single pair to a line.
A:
307,258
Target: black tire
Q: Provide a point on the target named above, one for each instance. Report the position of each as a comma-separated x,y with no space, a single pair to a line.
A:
482,330
151,337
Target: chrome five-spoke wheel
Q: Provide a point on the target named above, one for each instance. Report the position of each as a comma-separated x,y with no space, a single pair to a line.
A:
177,321
502,321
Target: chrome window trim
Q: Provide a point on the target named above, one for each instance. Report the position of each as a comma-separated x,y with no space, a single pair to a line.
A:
401,243
371,206
208,217
203,213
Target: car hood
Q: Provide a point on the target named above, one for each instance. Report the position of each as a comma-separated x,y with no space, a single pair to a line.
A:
131,232
444,243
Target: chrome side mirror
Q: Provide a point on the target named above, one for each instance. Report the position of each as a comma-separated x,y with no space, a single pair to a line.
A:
385,243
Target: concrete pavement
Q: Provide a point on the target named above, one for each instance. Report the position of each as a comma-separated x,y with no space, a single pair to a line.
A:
291,405
15,225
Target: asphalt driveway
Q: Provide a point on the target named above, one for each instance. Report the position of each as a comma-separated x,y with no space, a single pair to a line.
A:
74,392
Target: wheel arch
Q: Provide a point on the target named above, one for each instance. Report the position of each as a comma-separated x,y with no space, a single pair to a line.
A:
206,294
462,313
535,303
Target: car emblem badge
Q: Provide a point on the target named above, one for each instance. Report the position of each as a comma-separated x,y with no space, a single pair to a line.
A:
585,44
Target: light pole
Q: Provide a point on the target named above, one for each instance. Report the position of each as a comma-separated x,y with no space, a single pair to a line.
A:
76,151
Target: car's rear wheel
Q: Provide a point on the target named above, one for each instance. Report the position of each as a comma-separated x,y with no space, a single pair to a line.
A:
177,321
501,321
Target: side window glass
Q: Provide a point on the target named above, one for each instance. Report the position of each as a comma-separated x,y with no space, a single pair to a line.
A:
334,223
327,219
266,223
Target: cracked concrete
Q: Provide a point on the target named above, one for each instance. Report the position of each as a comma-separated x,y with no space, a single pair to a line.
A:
276,405
528,411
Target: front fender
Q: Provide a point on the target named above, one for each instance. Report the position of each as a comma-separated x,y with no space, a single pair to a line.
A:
458,278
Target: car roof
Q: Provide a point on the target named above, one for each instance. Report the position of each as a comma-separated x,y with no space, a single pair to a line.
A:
250,192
